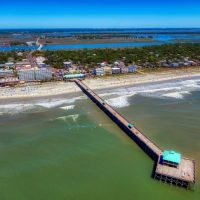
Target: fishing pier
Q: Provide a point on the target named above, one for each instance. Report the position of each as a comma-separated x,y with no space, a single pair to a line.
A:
181,173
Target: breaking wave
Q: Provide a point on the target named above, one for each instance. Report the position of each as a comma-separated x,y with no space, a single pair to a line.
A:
176,95
118,97
38,106
71,107
119,102
16,108
174,90
52,103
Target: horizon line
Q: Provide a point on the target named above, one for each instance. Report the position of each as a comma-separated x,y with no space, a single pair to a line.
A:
100,28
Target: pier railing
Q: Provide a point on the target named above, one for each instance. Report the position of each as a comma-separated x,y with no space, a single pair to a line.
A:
144,141
162,172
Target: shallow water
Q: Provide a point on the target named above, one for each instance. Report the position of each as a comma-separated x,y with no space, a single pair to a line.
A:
71,150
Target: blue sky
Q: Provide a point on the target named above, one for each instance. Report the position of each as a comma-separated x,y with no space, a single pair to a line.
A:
99,14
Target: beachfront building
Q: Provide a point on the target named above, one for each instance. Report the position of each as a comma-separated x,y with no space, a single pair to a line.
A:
26,75
6,72
183,62
192,63
171,158
174,64
132,68
42,74
119,64
98,72
6,81
116,70
124,70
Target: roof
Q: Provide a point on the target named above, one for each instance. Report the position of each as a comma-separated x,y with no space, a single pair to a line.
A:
67,63
133,66
172,156
9,63
116,68
74,75
130,125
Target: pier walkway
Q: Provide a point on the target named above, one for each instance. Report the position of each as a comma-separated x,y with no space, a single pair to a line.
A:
183,175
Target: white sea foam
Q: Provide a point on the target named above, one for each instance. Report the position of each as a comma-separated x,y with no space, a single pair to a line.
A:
52,103
107,94
118,102
74,117
176,95
40,105
116,97
16,108
65,118
175,89
121,101
71,107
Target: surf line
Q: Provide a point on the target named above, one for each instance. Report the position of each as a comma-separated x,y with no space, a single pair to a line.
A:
169,167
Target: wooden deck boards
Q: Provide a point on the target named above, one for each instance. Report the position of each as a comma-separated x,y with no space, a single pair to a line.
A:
184,172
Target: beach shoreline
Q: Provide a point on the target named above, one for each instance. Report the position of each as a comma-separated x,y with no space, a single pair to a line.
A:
53,89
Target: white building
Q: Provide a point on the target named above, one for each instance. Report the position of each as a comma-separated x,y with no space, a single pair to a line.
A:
9,64
98,72
42,74
116,70
6,72
68,64
4,81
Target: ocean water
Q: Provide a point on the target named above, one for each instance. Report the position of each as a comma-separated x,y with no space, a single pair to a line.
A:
66,148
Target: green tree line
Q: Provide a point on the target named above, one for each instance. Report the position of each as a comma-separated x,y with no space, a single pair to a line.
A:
6,56
139,55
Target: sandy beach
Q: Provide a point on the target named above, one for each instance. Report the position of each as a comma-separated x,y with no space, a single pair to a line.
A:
59,88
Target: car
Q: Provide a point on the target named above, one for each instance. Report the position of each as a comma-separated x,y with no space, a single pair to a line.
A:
130,126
